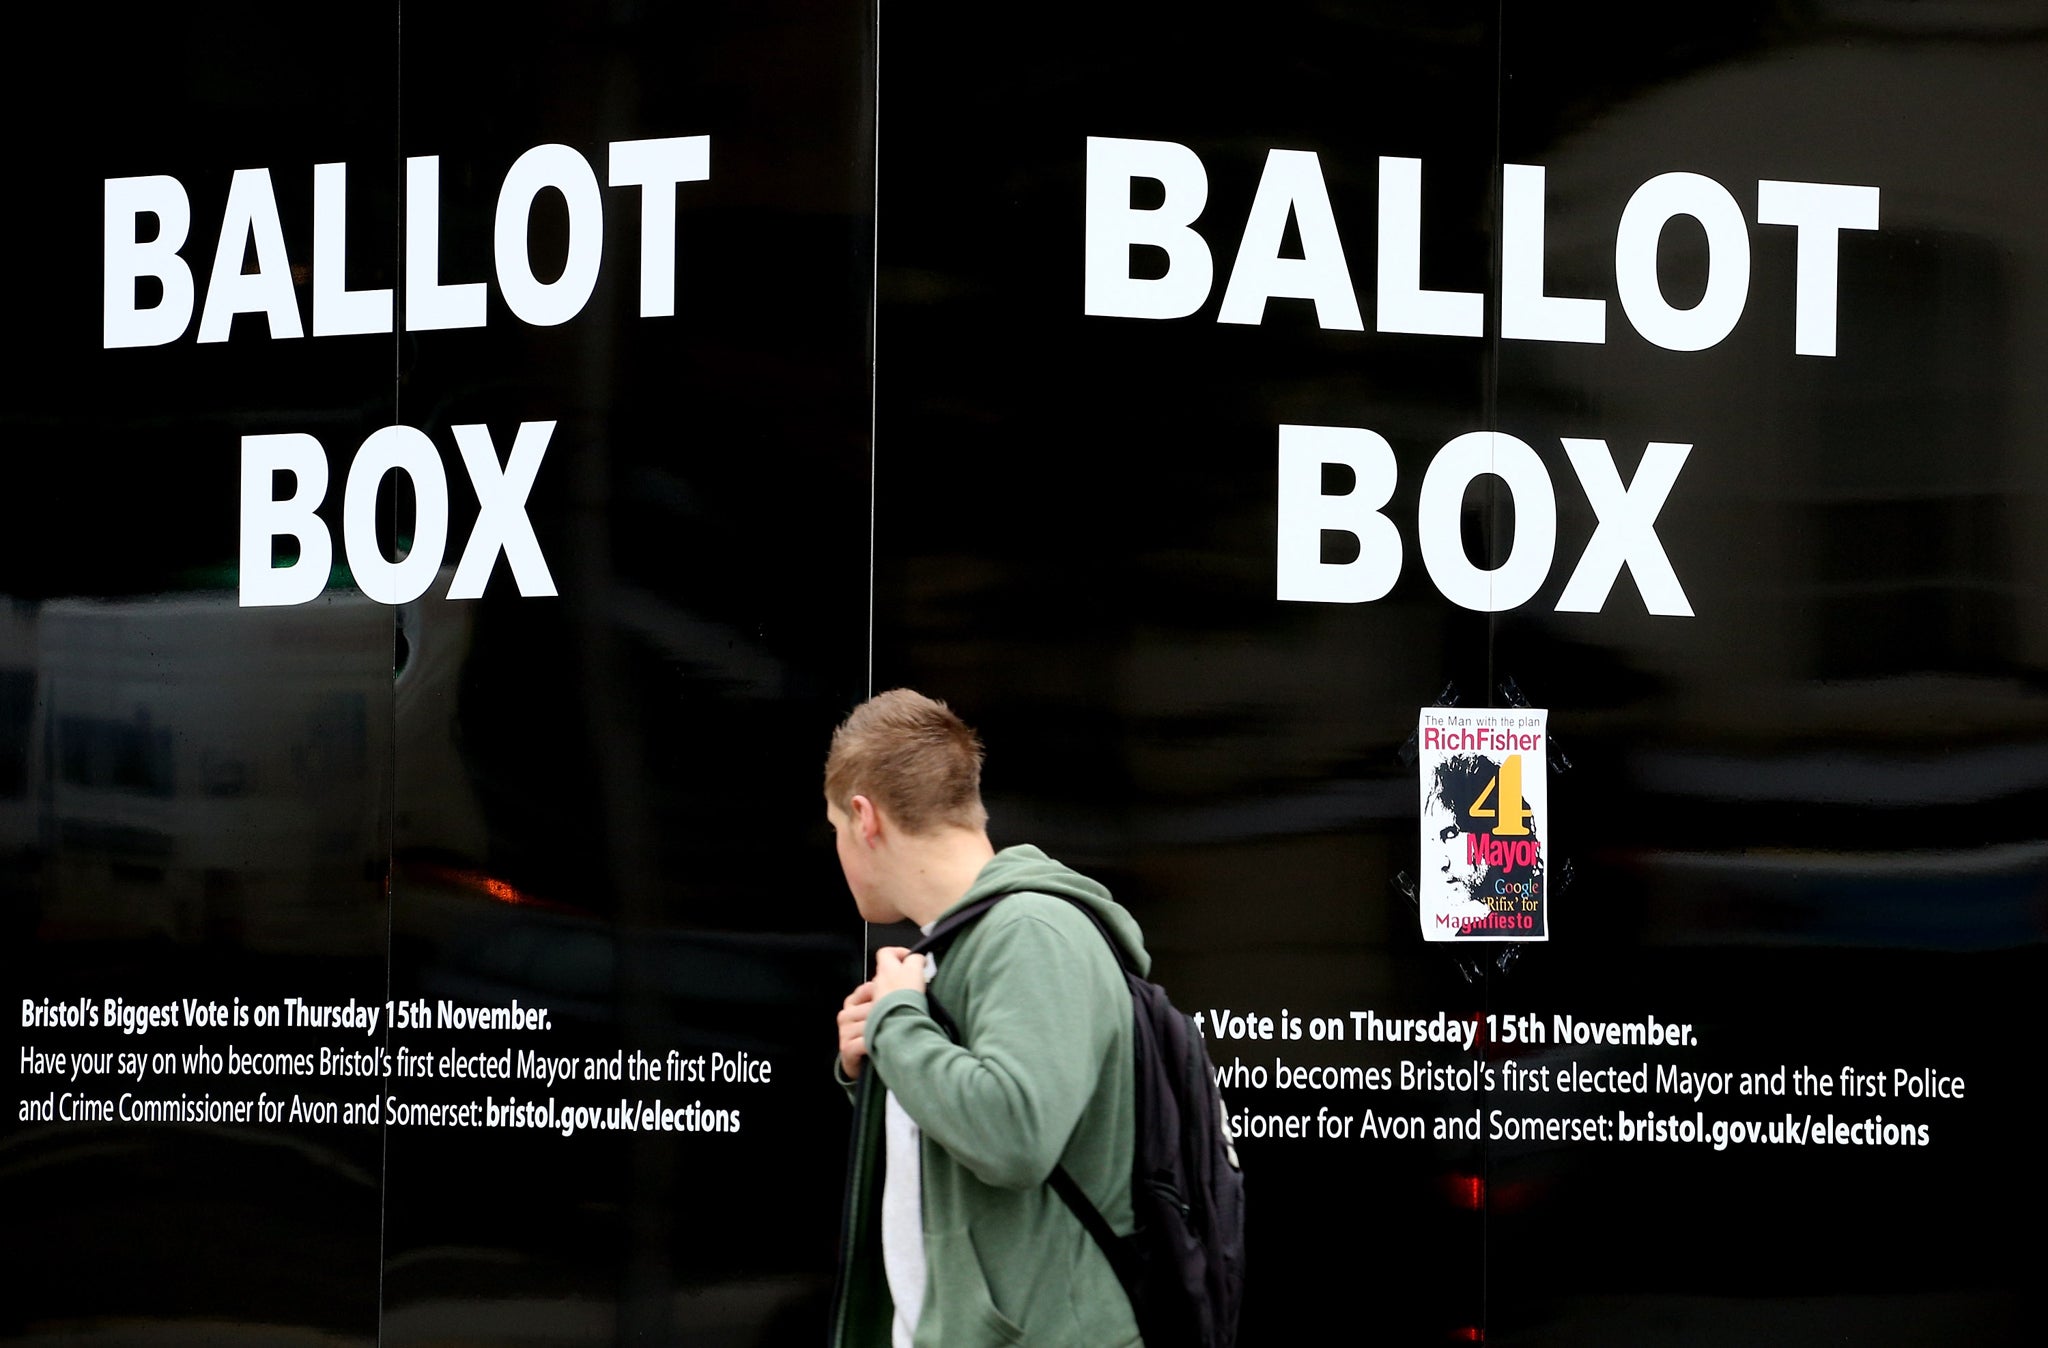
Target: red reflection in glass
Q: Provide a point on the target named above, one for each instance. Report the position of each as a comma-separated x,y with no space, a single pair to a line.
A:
485,886
1467,1191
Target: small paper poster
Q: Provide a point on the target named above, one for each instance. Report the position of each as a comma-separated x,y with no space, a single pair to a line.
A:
1485,824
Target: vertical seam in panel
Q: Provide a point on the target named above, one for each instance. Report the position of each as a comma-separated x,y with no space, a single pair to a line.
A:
874,315
391,800
867,931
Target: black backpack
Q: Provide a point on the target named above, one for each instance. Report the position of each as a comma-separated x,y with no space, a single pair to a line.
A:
1183,1264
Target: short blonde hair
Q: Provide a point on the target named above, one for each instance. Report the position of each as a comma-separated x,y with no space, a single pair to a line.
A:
912,756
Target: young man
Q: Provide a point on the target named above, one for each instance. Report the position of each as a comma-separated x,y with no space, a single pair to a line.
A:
954,1239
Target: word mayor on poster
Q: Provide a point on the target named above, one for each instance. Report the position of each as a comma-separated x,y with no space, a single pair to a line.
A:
1485,824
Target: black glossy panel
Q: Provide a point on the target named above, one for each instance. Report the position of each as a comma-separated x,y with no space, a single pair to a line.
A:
195,801
1075,547
1799,819
608,802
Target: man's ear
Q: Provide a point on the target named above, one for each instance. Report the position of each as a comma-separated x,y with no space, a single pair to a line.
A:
867,820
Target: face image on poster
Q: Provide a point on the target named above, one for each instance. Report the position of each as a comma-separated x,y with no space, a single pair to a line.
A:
1485,824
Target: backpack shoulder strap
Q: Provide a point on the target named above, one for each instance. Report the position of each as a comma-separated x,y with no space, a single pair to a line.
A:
1115,1248
939,939
943,935
952,924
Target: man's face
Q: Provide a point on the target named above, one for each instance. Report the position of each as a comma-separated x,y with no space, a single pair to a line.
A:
857,863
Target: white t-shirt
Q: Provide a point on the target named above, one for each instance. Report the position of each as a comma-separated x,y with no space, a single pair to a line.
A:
903,1208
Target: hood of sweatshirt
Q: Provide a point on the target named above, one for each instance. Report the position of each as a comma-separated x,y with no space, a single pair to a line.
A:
1025,869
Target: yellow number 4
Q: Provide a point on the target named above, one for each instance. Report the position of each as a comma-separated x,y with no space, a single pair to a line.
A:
1512,811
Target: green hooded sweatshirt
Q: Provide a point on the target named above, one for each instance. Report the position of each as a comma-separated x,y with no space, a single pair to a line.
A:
1042,1076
